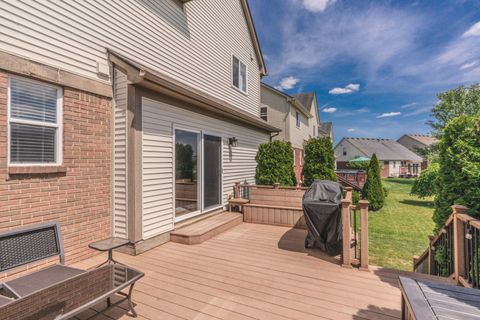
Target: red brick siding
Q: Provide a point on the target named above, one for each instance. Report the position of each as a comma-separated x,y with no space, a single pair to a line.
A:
80,197
298,166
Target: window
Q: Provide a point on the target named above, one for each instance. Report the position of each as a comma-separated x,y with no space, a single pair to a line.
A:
239,75
264,113
34,121
344,151
297,118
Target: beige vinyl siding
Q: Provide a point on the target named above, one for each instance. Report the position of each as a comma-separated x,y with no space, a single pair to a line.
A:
120,156
192,43
277,110
298,135
159,120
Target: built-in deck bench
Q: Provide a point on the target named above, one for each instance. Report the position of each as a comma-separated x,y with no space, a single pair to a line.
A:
273,205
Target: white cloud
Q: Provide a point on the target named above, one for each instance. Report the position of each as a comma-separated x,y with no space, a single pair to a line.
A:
330,110
362,110
474,31
351,130
409,105
389,114
352,87
317,5
468,65
287,83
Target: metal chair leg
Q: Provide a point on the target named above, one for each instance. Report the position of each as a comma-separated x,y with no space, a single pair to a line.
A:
130,303
109,302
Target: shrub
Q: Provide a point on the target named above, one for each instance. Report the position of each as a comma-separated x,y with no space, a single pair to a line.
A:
373,189
425,185
319,161
355,197
459,175
358,165
275,164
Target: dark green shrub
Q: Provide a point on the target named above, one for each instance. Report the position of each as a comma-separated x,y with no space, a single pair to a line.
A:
319,163
459,175
358,165
275,164
425,185
373,189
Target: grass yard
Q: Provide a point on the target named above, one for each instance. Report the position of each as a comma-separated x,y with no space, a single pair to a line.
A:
400,229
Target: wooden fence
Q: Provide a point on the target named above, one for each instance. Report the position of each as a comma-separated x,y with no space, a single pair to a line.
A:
455,251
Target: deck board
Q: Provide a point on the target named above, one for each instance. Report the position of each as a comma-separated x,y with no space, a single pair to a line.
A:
255,272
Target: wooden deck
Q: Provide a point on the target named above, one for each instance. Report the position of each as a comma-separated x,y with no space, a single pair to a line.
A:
253,272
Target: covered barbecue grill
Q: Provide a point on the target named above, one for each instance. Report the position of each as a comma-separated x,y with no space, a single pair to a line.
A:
323,215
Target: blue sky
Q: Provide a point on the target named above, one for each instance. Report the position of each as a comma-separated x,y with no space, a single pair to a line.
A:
376,66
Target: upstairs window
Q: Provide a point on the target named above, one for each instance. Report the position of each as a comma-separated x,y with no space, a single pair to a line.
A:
35,122
297,119
239,75
264,113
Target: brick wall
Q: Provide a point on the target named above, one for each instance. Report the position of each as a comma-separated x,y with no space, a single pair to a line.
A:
79,194
298,167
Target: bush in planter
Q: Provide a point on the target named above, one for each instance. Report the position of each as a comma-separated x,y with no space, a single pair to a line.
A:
319,163
459,175
373,190
275,164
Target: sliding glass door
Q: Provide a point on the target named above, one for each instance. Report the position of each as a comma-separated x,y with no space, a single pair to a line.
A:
187,189
212,171
198,173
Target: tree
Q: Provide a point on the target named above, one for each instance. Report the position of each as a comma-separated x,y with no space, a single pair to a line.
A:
426,184
459,175
454,103
319,163
373,188
275,164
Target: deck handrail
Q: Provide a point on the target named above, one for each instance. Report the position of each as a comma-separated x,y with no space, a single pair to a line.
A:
454,251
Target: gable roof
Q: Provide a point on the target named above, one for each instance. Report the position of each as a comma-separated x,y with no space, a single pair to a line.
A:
301,107
385,149
424,139
253,34
305,98
325,129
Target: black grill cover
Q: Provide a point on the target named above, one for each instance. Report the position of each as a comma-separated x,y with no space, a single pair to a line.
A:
322,209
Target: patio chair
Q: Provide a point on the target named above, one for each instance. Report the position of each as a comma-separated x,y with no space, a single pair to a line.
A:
58,291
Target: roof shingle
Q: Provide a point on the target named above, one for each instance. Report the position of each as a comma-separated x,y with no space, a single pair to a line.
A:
385,149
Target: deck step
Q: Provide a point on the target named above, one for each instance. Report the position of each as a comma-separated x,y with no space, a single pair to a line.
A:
207,228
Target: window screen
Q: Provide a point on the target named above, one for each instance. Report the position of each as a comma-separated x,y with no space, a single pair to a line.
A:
264,113
34,121
239,74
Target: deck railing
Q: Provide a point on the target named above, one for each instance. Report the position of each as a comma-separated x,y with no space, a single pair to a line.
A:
354,251
455,251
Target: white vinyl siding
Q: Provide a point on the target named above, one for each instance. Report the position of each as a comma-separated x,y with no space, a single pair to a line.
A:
159,120
120,156
192,43
34,122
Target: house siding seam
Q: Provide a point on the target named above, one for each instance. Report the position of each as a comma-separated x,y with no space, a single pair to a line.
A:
80,198
192,43
158,122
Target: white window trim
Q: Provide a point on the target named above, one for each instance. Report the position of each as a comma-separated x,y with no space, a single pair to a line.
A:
246,75
58,126
266,107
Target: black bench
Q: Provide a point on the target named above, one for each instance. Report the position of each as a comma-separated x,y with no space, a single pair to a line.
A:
58,291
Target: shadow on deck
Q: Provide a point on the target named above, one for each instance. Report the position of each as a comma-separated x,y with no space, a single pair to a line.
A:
254,271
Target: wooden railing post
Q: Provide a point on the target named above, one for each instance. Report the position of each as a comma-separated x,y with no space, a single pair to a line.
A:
236,190
458,243
346,233
363,235
430,255
348,194
276,185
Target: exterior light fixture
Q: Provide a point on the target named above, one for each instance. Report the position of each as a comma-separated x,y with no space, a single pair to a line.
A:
233,142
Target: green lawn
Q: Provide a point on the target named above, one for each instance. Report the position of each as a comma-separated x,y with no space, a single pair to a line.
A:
400,229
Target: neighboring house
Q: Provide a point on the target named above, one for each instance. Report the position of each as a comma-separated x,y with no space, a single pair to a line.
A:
326,130
396,160
296,115
417,142
124,117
